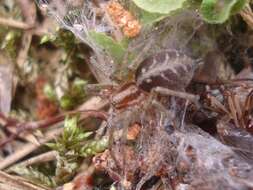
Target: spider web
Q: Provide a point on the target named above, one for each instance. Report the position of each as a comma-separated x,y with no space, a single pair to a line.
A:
80,18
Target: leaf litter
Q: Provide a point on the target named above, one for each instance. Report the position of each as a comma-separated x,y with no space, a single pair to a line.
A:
136,96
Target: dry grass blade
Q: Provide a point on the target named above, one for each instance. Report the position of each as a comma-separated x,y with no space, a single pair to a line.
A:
45,157
94,103
30,17
17,183
15,24
247,16
28,148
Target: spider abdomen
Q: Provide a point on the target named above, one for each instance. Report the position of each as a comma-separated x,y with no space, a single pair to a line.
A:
169,69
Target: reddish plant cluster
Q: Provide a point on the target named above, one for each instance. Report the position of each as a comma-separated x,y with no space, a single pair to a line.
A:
45,108
123,19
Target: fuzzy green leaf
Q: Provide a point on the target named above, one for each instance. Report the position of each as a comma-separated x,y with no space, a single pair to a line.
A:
218,11
150,18
159,6
239,5
113,48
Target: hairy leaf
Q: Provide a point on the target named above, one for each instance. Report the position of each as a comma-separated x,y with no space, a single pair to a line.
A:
114,49
218,11
150,18
159,6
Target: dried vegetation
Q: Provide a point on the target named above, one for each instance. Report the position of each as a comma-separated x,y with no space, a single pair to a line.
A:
128,95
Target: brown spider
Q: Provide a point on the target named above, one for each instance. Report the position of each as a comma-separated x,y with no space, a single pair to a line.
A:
167,73
160,81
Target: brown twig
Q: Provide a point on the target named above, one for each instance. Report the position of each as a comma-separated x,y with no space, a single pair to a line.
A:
30,18
45,157
94,103
51,121
7,187
247,16
15,24
17,183
28,148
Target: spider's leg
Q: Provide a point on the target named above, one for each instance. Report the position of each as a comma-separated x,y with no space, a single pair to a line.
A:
184,95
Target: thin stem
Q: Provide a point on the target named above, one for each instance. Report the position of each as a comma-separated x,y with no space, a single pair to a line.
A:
15,24
51,121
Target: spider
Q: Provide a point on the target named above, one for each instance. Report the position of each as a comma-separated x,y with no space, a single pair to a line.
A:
156,93
168,73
